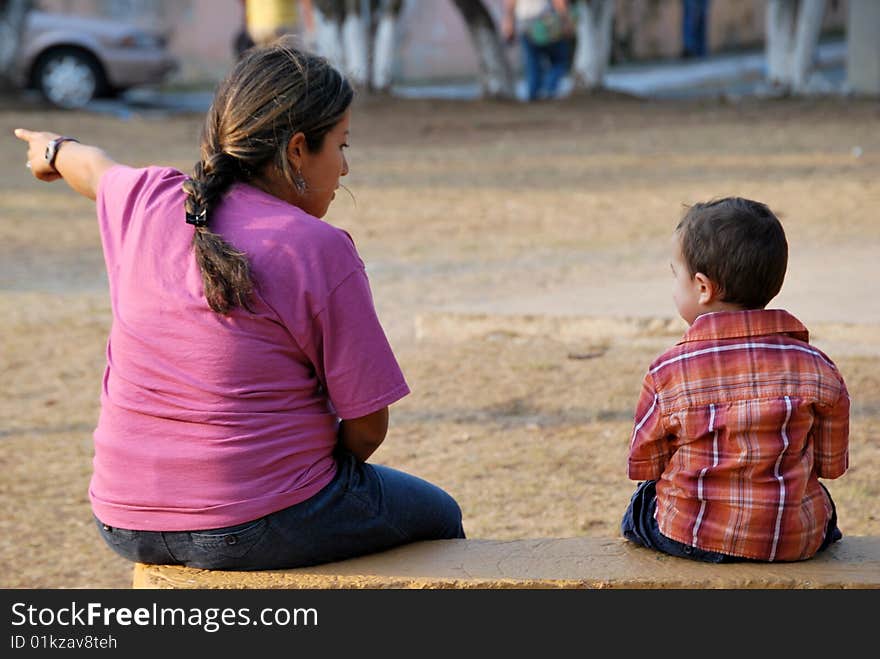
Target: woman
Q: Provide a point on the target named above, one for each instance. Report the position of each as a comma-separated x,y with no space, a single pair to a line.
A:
248,378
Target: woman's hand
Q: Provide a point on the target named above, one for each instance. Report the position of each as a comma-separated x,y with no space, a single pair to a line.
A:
80,165
36,154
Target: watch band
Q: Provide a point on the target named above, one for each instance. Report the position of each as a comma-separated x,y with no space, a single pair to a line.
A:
52,149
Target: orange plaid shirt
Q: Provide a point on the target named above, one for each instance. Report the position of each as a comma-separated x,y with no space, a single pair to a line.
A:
737,423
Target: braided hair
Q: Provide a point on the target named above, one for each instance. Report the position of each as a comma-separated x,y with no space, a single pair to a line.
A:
271,94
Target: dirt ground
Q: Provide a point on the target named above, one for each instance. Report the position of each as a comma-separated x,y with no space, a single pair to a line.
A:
517,257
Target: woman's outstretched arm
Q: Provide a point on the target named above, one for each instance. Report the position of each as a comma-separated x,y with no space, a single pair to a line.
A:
80,165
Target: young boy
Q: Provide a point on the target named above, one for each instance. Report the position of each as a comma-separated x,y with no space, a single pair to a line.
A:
737,422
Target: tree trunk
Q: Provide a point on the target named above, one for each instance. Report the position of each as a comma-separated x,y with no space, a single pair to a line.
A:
595,22
806,42
792,36
779,31
328,40
863,47
356,41
496,77
12,22
348,28
385,44
359,36
328,31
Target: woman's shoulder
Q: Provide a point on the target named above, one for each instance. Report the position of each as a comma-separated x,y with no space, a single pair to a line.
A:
123,179
280,223
148,172
283,239
320,240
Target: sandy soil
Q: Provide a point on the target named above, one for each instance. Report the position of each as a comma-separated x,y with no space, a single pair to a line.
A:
517,256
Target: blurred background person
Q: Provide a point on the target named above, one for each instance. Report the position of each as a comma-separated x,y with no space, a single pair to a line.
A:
263,21
545,30
242,40
694,20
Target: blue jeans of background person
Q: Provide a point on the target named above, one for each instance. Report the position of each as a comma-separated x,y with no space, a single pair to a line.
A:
695,14
640,526
545,67
364,509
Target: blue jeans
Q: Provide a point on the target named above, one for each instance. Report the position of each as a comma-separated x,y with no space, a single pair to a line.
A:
366,508
545,67
695,14
640,526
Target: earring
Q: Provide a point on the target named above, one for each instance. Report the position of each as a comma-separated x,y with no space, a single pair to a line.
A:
299,182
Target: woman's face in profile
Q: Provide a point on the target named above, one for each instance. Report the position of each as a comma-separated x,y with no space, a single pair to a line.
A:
322,169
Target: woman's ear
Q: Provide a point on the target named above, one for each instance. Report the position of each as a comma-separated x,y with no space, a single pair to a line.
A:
707,290
296,149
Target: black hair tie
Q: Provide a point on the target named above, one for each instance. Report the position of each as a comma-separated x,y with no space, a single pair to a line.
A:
198,220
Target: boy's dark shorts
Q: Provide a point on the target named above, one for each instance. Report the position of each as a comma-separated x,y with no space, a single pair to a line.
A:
640,527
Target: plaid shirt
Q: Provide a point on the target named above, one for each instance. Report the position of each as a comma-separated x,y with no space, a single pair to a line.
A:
737,422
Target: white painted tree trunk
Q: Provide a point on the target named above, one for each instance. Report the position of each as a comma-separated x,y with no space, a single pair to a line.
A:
383,52
778,38
496,77
494,72
593,43
355,44
863,47
793,28
344,37
328,40
806,41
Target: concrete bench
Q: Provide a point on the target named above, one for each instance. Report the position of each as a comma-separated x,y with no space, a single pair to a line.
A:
582,562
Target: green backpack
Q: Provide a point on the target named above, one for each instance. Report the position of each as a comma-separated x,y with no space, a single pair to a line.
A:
545,28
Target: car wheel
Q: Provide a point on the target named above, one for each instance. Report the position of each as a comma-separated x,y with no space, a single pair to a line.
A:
69,77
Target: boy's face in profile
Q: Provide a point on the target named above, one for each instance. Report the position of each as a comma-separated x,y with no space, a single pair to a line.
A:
685,288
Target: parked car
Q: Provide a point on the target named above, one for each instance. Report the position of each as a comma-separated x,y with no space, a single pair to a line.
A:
73,59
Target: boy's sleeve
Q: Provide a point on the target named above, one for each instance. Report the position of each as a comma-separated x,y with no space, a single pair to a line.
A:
831,437
649,449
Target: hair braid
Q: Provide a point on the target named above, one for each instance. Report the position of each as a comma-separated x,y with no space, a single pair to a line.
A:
226,274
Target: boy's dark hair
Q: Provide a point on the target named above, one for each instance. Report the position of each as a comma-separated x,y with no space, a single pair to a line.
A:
740,245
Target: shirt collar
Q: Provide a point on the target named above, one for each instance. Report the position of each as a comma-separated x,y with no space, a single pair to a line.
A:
741,324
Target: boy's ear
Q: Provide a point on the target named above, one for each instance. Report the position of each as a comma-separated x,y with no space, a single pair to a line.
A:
707,290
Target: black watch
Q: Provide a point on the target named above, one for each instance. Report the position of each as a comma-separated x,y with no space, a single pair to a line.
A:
52,149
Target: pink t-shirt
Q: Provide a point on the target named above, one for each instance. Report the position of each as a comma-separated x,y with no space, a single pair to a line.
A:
209,420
